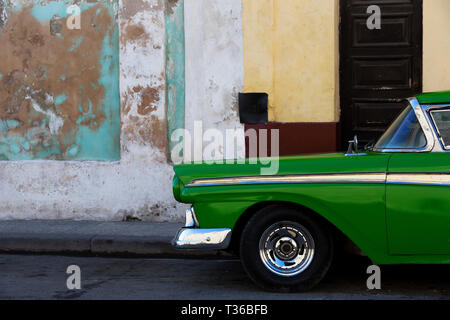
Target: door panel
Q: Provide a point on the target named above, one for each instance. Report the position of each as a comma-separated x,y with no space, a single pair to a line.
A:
383,73
379,68
396,31
418,204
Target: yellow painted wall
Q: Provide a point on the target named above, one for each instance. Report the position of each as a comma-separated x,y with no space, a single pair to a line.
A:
291,52
436,45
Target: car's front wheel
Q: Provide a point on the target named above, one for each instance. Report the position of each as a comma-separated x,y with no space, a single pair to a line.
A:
284,249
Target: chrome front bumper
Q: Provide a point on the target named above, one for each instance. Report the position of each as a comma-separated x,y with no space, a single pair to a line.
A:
191,237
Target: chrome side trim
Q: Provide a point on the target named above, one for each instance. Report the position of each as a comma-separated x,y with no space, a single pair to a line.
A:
432,179
376,177
355,154
202,239
424,123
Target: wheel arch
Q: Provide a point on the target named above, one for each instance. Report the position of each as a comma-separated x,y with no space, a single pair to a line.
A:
338,236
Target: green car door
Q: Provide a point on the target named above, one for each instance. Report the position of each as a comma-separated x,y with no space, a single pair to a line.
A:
418,189
418,205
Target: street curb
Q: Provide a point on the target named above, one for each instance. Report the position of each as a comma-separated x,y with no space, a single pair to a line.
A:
36,243
83,238
145,247
99,246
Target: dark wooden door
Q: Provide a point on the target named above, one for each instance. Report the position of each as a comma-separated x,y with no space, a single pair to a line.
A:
379,67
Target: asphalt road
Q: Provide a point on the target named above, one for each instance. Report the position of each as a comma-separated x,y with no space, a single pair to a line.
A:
44,277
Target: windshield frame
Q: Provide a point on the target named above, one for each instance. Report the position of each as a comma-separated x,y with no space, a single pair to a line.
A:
421,117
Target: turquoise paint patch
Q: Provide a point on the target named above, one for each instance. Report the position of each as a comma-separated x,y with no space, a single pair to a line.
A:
60,99
6,125
43,12
9,124
15,8
76,44
15,148
91,141
26,146
1,76
85,143
72,151
175,70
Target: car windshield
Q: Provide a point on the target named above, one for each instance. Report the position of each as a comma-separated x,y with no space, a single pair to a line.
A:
404,133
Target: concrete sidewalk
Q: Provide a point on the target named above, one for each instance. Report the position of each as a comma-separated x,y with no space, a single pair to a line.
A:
94,238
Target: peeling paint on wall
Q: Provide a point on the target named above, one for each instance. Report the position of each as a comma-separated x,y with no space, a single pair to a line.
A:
175,67
3,15
143,82
139,186
60,87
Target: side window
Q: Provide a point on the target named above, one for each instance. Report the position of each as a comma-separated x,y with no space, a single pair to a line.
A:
441,119
405,133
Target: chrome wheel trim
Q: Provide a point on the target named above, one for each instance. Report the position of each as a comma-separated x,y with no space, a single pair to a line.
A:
286,248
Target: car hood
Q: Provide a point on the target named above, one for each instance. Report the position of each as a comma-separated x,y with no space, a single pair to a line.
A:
305,164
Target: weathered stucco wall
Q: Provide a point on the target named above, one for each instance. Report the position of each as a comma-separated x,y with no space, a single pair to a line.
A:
214,69
436,45
59,89
137,186
291,52
175,70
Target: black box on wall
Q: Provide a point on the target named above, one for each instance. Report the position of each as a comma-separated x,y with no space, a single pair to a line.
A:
253,108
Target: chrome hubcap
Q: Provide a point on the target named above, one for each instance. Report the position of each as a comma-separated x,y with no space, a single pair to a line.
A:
286,248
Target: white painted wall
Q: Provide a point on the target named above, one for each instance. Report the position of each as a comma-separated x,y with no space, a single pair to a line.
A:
214,66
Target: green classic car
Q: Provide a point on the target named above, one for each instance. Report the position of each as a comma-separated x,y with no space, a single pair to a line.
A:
392,200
